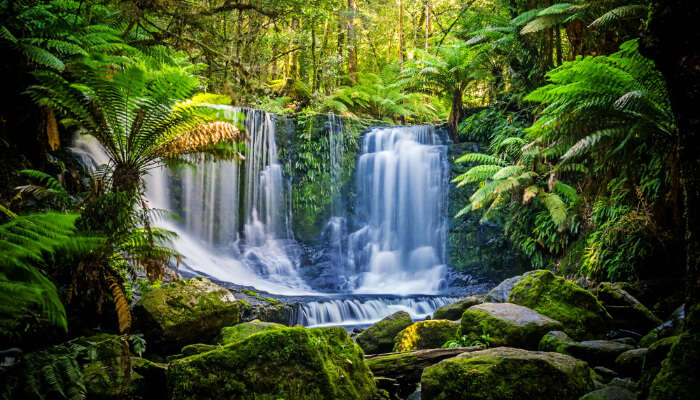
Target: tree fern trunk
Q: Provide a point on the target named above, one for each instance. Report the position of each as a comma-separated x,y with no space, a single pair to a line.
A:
456,113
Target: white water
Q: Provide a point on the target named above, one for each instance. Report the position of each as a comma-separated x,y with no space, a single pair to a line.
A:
401,189
368,311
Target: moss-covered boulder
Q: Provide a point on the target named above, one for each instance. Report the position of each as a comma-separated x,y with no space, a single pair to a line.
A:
148,380
197,348
501,292
507,373
610,393
627,311
630,362
581,314
678,377
428,334
454,311
379,338
236,333
655,355
188,311
556,341
506,324
290,363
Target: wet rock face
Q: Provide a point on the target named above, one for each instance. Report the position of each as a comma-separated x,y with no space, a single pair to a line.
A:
581,314
507,324
379,338
188,311
455,310
507,373
291,363
427,334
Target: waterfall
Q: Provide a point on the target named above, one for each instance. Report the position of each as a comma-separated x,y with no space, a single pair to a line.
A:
358,311
400,244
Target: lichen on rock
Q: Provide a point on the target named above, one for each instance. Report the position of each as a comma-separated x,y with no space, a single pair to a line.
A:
426,335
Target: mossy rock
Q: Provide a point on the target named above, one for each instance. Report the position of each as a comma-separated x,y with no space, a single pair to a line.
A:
581,314
507,373
185,312
626,310
289,363
197,348
507,324
379,338
652,362
236,333
678,377
556,341
148,379
454,311
595,352
630,362
610,393
426,334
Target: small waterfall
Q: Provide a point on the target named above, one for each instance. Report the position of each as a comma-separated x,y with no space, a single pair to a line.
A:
358,311
400,244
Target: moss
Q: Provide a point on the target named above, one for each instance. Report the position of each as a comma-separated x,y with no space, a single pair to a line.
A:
379,338
236,333
192,349
557,341
678,377
426,335
454,311
582,315
506,324
633,313
148,379
652,363
507,373
290,363
188,311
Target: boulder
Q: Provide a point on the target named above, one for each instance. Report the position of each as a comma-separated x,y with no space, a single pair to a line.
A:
501,292
630,362
606,373
655,355
581,314
454,311
672,327
678,377
627,311
379,338
197,348
426,334
148,379
399,373
291,363
556,341
236,333
187,311
610,393
507,373
596,352
506,324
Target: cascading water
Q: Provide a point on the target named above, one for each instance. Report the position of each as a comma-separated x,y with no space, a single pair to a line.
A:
400,245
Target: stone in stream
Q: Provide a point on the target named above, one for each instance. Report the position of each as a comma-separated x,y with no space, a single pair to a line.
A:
291,363
454,311
630,362
426,334
506,324
581,314
184,312
610,393
379,338
507,373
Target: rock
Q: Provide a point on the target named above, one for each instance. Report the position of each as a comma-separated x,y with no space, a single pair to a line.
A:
555,341
291,363
276,312
405,368
236,333
625,383
185,312
500,293
606,373
197,348
610,393
597,352
656,354
627,311
630,362
506,324
581,314
455,310
626,340
427,334
678,377
148,379
672,327
379,338
507,373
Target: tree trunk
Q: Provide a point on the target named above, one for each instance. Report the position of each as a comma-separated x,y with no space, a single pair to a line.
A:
401,50
456,113
352,56
672,40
